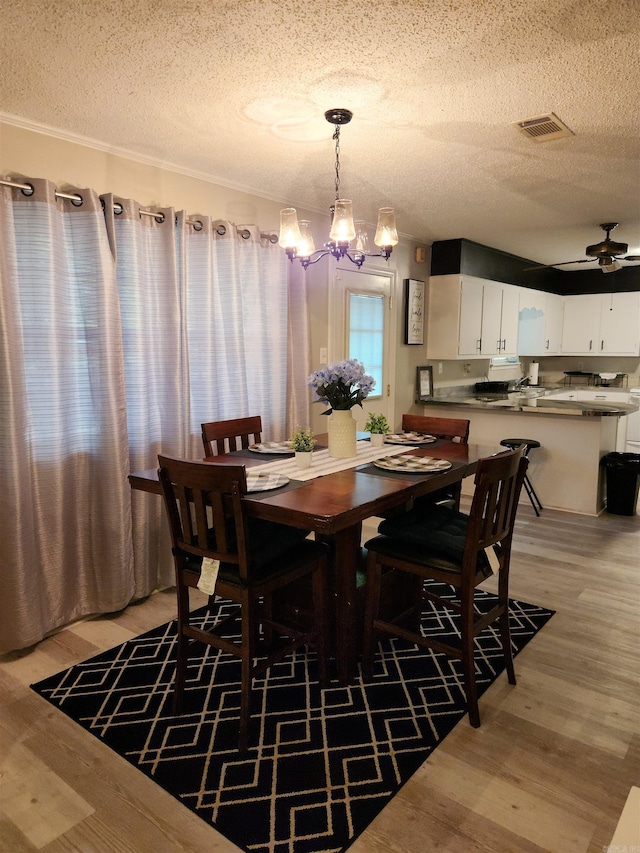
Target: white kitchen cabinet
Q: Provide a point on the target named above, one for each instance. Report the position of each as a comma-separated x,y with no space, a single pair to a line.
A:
602,324
508,337
553,324
469,330
620,324
539,322
581,324
470,317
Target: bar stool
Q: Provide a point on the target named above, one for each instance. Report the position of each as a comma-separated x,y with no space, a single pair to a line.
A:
531,443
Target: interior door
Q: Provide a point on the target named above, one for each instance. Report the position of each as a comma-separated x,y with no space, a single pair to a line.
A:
361,327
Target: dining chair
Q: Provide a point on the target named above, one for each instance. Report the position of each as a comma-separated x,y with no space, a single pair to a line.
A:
451,429
458,550
206,510
224,436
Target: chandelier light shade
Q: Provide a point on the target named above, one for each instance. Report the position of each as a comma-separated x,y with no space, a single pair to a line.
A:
362,238
306,247
296,237
290,235
386,233
342,228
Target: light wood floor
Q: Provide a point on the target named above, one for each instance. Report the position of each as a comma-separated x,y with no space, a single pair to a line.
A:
549,770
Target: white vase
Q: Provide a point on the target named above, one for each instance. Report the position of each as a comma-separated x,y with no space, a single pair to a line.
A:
377,439
342,434
303,458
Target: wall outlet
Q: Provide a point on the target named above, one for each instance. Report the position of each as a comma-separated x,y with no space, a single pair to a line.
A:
466,368
580,365
323,355
440,367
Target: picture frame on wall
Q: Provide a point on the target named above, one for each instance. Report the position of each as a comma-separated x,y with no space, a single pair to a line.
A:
424,384
414,311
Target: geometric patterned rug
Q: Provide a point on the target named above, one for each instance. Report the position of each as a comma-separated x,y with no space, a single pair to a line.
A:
321,764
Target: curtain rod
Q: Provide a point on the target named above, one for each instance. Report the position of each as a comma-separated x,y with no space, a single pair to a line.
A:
76,199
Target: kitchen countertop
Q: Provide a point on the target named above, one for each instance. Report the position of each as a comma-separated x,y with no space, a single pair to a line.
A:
527,402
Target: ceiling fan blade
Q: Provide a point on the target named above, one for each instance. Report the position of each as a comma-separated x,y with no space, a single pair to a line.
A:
630,258
563,264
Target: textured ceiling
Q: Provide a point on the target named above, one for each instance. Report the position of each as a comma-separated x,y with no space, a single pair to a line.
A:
237,91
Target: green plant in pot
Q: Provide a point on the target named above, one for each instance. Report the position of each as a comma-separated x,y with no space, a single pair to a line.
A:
303,442
378,426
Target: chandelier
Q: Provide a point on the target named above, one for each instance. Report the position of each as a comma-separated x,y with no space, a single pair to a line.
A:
296,238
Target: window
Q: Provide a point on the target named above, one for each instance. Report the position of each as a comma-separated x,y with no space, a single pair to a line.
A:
366,335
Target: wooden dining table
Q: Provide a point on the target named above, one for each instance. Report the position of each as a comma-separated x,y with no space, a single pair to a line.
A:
334,506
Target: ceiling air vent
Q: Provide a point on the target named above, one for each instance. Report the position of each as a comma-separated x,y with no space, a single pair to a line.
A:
543,128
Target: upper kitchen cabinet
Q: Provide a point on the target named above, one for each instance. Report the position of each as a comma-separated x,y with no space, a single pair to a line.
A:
539,322
602,324
470,317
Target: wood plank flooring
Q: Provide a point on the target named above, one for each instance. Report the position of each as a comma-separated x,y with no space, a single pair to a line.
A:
549,769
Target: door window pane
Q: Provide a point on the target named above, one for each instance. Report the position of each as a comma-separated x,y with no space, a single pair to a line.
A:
366,335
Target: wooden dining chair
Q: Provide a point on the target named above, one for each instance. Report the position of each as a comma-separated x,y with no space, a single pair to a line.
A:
460,551
451,429
206,510
224,436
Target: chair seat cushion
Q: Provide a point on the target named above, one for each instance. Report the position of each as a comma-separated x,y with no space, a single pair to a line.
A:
439,532
268,542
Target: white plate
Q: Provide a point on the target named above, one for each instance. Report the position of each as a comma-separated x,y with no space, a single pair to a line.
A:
272,447
264,482
412,464
414,439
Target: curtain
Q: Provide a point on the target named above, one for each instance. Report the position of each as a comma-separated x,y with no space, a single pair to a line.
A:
237,316
156,378
65,546
299,349
121,334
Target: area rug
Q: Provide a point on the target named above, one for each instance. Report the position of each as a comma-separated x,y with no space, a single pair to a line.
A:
321,765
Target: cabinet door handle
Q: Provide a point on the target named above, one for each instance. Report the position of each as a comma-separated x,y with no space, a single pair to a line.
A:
504,343
601,345
590,345
499,345
479,345
547,344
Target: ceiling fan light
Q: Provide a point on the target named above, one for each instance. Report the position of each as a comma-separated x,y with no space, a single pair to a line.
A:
290,235
611,266
343,229
386,232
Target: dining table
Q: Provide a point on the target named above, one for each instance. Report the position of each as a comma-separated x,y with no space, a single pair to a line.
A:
334,505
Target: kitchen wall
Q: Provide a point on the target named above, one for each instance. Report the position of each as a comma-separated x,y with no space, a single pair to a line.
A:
76,163
551,371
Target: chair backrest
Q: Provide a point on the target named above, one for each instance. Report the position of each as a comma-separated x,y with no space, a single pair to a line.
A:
224,436
449,428
203,503
498,483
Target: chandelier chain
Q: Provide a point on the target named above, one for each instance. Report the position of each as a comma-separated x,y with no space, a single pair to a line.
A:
336,136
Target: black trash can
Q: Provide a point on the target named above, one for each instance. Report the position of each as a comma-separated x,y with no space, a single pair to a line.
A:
623,482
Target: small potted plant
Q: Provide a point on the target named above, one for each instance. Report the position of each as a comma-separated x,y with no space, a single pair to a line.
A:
378,426
303,441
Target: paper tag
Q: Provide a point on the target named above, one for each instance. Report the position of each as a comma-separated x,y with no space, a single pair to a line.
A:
492,557
208,575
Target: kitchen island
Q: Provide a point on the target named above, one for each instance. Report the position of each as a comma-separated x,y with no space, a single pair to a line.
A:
574,436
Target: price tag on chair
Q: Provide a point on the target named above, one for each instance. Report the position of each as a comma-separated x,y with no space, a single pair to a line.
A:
492,557
208,575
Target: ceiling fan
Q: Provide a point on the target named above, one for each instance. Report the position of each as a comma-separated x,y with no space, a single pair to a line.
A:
608,253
